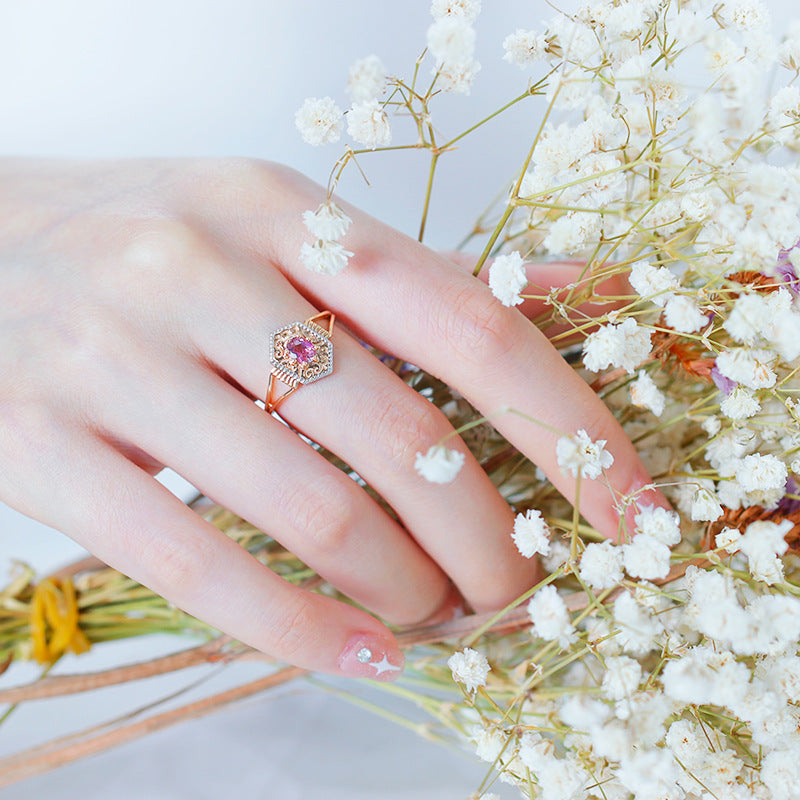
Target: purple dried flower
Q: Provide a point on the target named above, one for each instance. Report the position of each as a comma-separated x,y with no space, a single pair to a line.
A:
725,385
786,271
788,505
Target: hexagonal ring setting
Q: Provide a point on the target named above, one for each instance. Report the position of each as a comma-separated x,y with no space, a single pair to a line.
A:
300,352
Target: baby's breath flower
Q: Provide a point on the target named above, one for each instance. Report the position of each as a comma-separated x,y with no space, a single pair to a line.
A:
439,464
558,555
784,334
653,283
744,15
524,47
572,232
705,507
319,120
752,368
650,773
368,124
470,668
601,565
637,628
457,78
749,319
646,557
780,772
324,257
764,474
697,206
728,540
327,222
789,51
366,79
489,740
464,9
550,617
740,404
682,314
645,394
451,40
579,454
507,278
762,543
784,114
622,677
660,523
624,345
531,534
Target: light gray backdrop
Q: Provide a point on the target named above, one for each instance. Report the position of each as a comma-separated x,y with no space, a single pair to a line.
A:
205,78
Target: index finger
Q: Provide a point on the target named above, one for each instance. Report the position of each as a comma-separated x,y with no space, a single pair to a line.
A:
411,302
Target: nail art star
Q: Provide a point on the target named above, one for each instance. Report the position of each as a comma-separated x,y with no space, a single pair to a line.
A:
384,665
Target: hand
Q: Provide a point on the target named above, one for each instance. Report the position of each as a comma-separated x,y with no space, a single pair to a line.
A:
138,301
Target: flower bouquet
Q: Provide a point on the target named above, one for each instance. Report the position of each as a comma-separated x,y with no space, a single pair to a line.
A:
664,664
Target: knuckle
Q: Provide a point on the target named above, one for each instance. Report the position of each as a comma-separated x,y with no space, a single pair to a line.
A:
292,628
161,250
322,513
476,324
232,176
398,429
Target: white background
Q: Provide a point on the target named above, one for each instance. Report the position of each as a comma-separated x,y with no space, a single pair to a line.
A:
107,78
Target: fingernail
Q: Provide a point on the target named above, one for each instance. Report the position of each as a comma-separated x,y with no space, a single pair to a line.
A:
369,656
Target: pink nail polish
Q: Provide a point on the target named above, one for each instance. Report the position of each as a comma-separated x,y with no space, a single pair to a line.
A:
369,656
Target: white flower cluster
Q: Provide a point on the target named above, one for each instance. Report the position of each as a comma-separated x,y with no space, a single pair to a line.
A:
624,345
579,455
326,255
440,464
451,41
470,668
646,556
507,278
321,121
531,534
691,677
660,681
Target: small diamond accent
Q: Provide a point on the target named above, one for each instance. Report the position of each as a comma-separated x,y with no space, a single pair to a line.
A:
364,655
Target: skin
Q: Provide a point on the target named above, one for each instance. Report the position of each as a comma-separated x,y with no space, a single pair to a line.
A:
138,301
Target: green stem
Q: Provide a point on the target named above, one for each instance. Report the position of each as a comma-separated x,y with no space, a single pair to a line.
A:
477,125
576,518
428,191
493,238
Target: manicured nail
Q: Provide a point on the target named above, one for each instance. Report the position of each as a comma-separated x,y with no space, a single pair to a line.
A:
369,656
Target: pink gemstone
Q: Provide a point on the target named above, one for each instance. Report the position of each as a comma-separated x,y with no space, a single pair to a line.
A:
301,349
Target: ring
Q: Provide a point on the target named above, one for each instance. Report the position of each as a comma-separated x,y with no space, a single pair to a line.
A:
301,352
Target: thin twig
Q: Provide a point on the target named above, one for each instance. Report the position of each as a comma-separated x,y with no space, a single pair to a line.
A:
71,748
60,685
